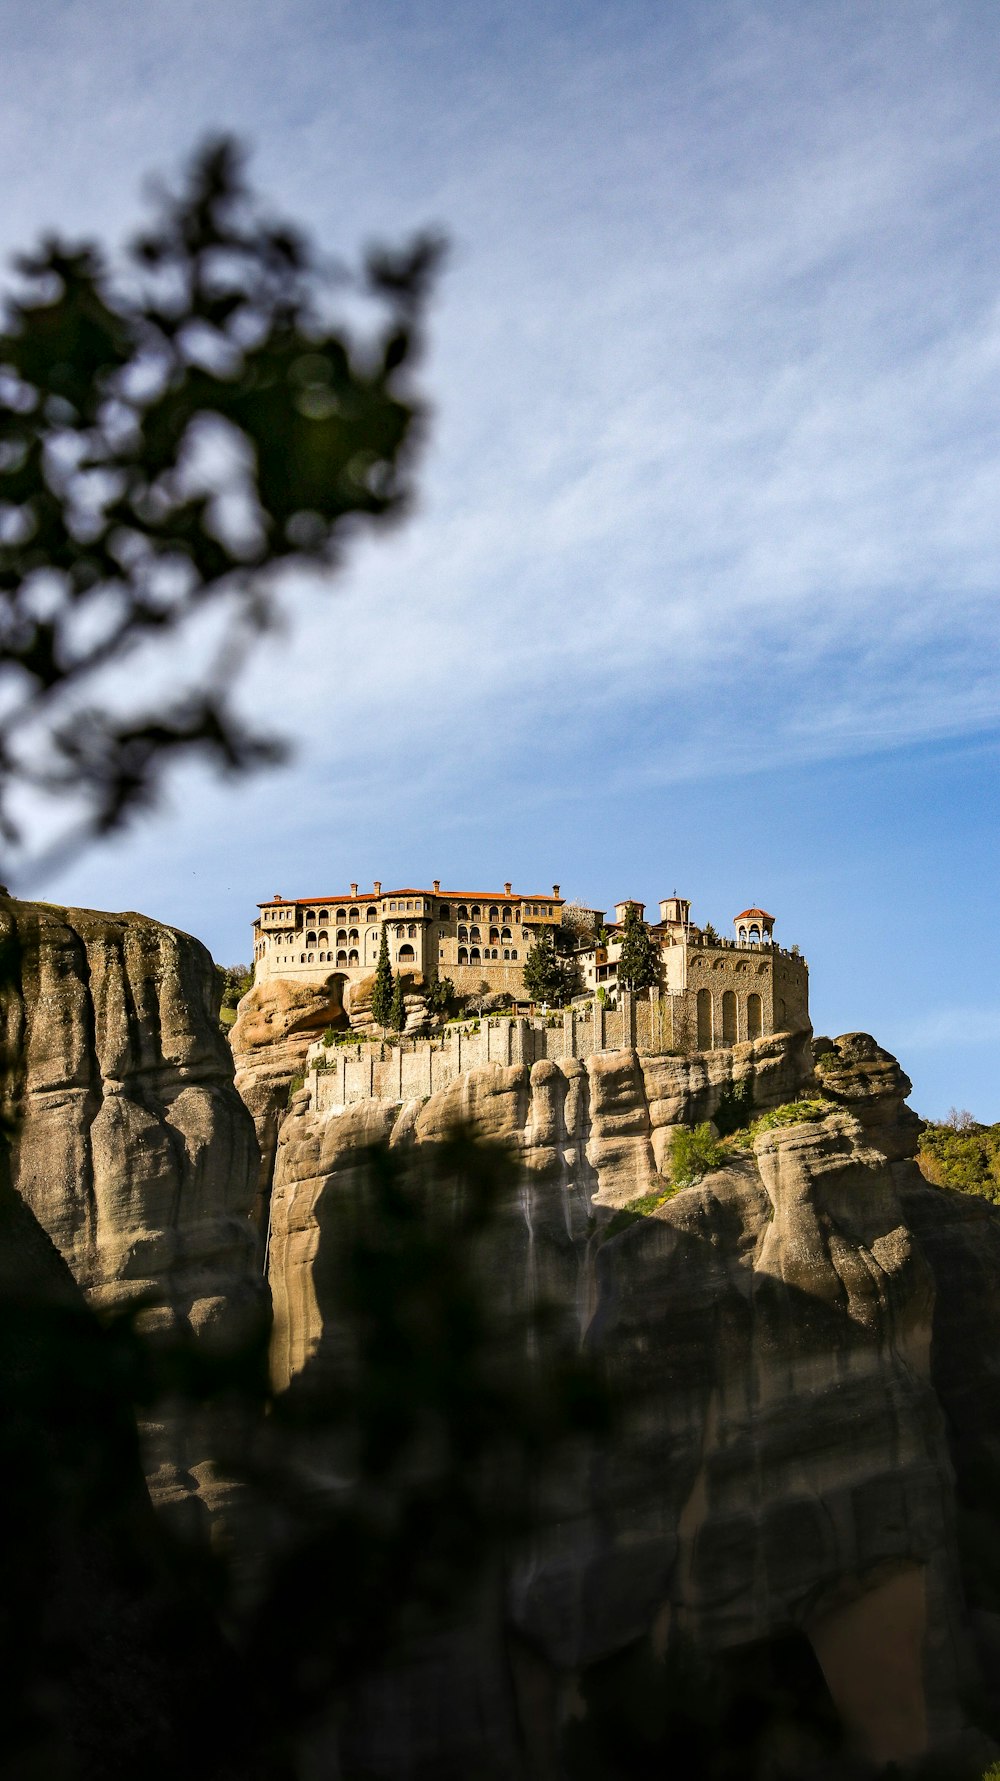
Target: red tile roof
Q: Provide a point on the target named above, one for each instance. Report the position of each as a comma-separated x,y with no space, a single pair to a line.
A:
409,890
753,914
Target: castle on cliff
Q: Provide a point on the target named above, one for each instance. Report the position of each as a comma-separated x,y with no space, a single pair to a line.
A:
715,991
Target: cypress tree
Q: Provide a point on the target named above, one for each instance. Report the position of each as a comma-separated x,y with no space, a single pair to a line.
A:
397,1007
638,965
382,993
545,976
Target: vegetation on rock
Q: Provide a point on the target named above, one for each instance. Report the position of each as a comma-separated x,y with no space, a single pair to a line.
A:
441,995
236,980
693,1153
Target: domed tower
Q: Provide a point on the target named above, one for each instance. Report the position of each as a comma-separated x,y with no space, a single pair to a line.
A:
754,927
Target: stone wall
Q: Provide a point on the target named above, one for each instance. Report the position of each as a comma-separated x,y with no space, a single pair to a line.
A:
339,1076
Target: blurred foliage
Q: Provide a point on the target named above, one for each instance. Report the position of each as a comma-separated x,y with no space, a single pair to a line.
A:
177,432
963,1156
377,1492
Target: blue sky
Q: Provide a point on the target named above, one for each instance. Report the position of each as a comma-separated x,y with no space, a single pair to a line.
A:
701,590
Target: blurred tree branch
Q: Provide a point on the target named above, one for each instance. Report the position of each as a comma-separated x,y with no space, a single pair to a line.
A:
176,434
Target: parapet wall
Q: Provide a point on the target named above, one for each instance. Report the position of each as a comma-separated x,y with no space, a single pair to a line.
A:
339,1075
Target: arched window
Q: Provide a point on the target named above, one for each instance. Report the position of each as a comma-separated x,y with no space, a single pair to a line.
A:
473,953
371,915
353,959
341,914
728,1017
353,937
353,915
463,913
341,958
463,933
444,913
475,912
463,955
494,934
310,939
755,1022
704,1020
513,952
341,936
323,938
506,953
413,930
506,935
406,955
474,934
324,915
302,958
494,913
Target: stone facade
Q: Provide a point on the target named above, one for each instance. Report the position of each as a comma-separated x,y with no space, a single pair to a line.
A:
338,1076
712,992
470,936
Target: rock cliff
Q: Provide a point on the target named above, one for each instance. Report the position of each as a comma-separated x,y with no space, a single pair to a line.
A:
129,1144
794,1337
276,1023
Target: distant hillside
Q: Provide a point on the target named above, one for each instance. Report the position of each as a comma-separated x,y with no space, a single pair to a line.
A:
963,1155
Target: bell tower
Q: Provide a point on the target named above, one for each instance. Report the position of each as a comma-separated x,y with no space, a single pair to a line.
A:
754,927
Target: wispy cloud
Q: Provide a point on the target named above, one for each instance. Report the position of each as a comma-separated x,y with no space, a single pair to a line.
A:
947,1028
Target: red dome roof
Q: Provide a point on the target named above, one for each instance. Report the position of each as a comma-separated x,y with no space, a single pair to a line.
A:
753,915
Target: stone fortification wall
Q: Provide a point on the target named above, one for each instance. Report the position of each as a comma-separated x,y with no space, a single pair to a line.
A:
339,1076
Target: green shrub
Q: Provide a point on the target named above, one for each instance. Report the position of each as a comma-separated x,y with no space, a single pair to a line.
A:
802,1112
791,1113
693,1154
735,1107
329,1036
296,1083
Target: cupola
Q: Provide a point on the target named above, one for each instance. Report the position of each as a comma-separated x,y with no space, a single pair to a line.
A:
754,927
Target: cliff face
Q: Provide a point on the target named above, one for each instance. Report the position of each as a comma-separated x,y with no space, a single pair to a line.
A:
130,1145
784,1483
275,1025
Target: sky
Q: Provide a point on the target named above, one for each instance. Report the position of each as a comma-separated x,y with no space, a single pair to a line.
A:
700,589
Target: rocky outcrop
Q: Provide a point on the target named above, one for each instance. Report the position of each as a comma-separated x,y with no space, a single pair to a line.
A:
275,1025
129,1144
857,1073
414,1000
781,1492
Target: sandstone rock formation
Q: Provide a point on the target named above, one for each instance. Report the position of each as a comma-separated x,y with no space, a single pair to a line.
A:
359,1005
130,1145
799,1382
275,1025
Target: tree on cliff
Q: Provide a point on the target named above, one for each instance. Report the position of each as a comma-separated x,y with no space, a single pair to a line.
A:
547,977
383,991
638,964
175,435
397,1007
